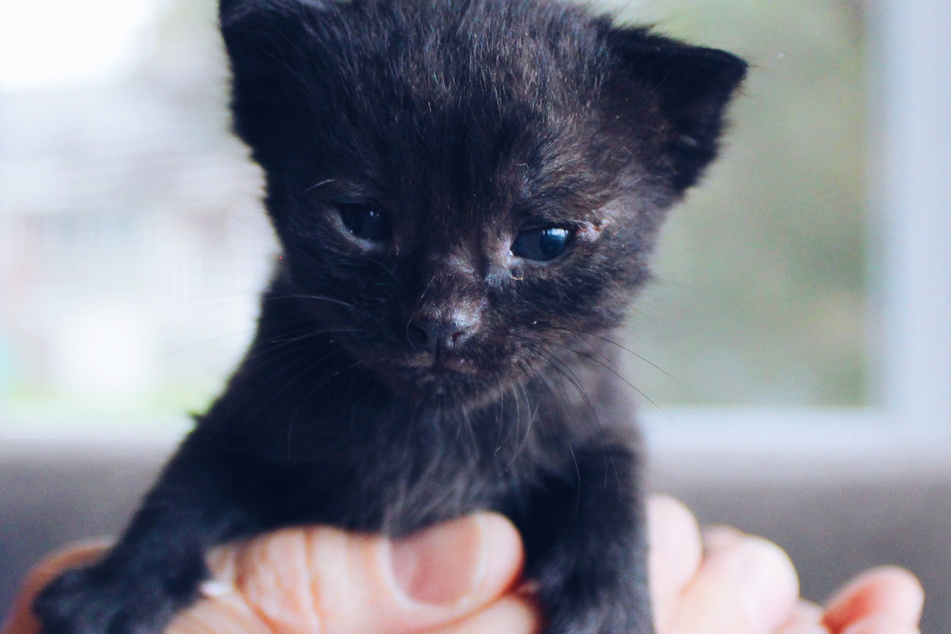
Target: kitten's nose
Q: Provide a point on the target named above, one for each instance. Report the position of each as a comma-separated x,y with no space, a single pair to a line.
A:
430,335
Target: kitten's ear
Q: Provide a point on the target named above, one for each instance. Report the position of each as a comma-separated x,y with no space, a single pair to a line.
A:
233,13
266,42
694,85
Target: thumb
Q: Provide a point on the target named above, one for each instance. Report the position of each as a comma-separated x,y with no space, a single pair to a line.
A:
327,581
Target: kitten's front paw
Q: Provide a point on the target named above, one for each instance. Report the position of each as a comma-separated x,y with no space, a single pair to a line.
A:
90,601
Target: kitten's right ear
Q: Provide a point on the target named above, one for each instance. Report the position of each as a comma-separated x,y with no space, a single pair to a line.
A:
267,42
232,13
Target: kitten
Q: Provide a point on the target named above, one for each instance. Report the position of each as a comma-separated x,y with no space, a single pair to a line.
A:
466,193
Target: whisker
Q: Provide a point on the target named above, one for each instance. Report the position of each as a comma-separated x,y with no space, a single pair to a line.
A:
523,442
313,390
571,450
619,376
640,357
318,185
269,386
323,298
283,348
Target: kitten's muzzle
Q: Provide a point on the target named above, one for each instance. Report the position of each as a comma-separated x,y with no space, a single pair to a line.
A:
441,335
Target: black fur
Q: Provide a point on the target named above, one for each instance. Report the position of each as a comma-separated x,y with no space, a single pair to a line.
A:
403,381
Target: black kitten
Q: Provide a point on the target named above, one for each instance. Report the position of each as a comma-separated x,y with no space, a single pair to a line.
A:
467,193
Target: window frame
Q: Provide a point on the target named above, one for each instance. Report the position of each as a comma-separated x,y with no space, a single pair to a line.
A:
907,427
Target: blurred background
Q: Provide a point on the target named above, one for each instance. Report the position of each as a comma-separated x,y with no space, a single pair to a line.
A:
794,355
133,243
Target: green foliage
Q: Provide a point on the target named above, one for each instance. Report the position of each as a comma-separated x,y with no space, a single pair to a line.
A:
761,277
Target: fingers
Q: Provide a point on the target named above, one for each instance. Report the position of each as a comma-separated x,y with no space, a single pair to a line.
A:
745,585
21,619
326,581
448,580
875,601
673,557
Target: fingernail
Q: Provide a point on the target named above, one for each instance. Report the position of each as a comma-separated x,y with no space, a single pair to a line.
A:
441,565
767,582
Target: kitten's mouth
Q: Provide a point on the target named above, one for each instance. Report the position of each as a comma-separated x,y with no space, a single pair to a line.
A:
454,378
441,377
442,365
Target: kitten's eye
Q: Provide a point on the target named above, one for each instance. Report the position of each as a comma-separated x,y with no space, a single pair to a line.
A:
542,243
364,222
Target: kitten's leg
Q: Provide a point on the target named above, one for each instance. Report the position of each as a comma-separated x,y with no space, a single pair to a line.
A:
158,565
587,547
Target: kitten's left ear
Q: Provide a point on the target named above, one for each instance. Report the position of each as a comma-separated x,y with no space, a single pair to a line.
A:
693,84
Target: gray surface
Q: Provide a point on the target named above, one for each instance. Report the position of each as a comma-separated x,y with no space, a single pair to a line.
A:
50,495
49,498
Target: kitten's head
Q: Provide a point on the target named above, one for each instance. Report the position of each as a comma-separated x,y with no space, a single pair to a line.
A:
464,186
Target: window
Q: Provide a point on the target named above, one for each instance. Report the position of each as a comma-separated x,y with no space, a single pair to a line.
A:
762,283
132,242
904,428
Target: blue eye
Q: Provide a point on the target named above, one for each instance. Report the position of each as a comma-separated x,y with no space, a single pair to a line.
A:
364,222
542,243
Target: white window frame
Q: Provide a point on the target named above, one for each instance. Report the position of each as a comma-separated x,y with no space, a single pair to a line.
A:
906,430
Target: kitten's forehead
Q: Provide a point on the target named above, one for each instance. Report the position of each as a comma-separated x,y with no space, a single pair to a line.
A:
449,47
447,69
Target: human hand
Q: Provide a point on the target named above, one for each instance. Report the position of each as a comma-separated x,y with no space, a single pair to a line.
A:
324,580
733,583
455,578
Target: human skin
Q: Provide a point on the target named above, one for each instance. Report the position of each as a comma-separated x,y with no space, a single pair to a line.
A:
463,577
